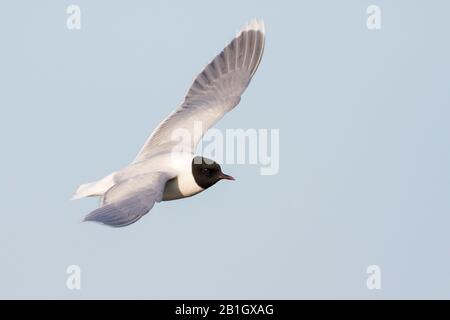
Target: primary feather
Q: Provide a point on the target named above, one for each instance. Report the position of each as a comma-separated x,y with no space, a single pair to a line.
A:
214,92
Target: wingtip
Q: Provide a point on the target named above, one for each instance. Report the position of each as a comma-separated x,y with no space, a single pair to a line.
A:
87,218
93,221
262,26
253,25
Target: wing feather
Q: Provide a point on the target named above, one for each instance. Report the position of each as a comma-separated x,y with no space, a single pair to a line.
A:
130,200
214,92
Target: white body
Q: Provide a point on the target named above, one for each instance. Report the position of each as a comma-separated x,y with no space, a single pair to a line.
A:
182,184
158,172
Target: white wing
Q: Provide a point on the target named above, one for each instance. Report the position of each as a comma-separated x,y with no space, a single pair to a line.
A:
130,200
214,92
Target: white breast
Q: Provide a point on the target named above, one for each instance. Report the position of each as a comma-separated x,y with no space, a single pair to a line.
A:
184,184
187,185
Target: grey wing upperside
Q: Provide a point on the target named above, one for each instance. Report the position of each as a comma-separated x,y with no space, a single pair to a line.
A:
130,200
214,92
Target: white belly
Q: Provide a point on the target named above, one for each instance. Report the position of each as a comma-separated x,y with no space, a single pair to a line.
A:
180,164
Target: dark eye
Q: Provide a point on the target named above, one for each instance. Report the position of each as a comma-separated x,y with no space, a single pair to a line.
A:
205,170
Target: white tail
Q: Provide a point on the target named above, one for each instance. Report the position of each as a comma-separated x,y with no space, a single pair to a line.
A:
96,188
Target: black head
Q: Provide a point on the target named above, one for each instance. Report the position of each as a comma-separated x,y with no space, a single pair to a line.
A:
206,172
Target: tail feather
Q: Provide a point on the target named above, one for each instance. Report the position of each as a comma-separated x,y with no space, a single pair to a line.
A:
96,188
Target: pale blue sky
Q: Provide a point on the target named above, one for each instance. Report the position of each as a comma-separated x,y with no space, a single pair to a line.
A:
364,150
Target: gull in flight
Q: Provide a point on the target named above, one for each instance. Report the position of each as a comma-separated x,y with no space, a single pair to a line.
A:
166,167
